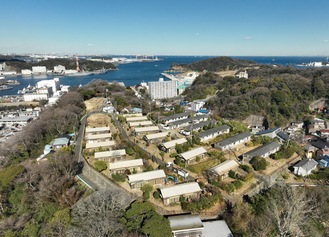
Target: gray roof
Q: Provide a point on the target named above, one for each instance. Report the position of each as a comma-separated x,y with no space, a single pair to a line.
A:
307,164
178,122
216,228
283,136
213,130
200,125
262,150
275,130
233,139
174,116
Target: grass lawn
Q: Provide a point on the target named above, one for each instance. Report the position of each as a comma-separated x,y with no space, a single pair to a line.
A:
202,166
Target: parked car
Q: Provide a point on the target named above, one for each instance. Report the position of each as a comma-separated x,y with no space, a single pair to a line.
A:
184,132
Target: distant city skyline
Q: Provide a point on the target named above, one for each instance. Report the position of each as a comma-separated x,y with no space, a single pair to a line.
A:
171,27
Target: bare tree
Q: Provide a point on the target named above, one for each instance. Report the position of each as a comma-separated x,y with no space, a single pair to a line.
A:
98,215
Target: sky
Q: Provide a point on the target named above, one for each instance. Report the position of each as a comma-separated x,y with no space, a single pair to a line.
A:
166,27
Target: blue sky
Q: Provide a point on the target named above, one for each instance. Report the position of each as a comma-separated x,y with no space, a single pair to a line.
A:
168,27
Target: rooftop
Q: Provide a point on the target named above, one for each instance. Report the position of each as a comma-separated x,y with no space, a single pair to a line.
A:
180,189
225,166
156,135
173,143
193,153
183,222
234,138
107,154
126,164
98,129
147,129
175,116
213,130
307,164
100,144
155,174
262,150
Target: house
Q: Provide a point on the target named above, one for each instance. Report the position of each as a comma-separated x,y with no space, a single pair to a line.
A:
132,115
282,137
200,125
305,167
60,142
140,123
21,120
104,137
97,130
316,125
155,137
186,225
324,162
191,225
272,133
112,156
96,145
262,151
126,166
216,228
324,132
167,146
147,129
233,141
175,117
309,151
242,74
179,123
213,132
136,118
155,177
221,170
190,156
191,191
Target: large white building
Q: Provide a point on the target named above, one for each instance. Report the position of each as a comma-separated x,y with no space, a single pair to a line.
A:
162,89
39,70
54,84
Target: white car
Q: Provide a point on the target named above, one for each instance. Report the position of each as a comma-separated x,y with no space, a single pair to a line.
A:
185,133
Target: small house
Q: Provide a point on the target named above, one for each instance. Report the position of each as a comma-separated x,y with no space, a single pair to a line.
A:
155,137
155,177
147,129
186,225
221,170
140,123
126,166
111,156
190,156
305,167
135,118
60,142
167,146
213,132
324,162
175,117
262,151
233,141
97,145
272,133
198,126
191,191
97,130
104,137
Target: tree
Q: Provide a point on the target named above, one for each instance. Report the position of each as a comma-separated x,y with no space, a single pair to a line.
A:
156,226
99,214
258,163
100,165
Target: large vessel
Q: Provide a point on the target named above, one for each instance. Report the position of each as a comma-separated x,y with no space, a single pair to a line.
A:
5,87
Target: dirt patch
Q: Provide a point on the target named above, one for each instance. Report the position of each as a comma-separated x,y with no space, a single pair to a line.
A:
94,103
98,120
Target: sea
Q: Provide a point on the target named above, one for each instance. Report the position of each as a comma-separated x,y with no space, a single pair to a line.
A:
135,73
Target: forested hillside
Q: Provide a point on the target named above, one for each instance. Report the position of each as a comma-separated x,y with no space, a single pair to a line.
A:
217,64
280,93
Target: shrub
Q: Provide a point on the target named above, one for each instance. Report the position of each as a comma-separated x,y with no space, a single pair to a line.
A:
246,168
156,194
232,174
237,184
119,177
130,151
100,165
258,163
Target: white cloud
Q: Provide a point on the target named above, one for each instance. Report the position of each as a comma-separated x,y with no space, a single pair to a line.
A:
91,44
248,38
325,41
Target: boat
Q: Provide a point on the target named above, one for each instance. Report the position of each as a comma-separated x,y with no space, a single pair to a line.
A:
5,87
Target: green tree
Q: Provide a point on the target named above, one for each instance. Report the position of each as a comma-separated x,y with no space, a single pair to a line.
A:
156,226
136,214
258,163
100,165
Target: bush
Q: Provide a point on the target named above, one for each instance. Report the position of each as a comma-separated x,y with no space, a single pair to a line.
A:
156,194
232,174
246,168
258,163
237,184
130,151
119,177
100,165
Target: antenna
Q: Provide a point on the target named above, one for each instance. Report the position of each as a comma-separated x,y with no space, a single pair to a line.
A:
77,62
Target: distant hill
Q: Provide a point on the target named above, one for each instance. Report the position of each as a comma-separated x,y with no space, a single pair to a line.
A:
216,64
86,65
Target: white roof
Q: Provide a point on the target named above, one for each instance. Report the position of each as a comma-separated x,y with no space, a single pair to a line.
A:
126,164
180,189
185,222
98,136
147,129
155,174
140,123
156,135
132,115
217,228
225,166
193,153
174,142
108,154
99,144
98,129
141,118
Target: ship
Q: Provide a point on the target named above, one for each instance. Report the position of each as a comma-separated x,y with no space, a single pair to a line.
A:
5,87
